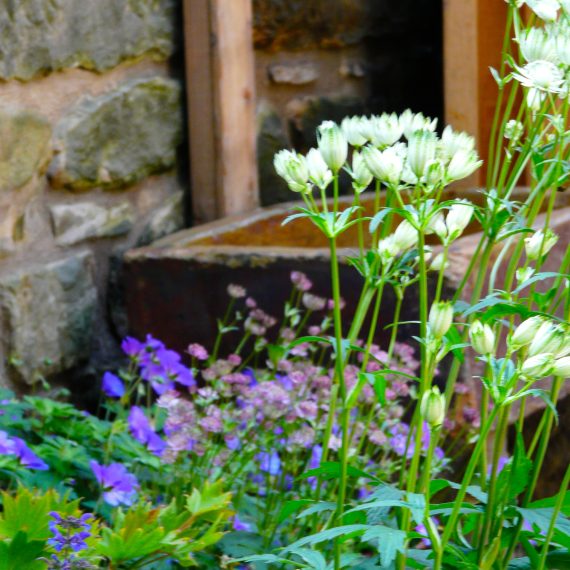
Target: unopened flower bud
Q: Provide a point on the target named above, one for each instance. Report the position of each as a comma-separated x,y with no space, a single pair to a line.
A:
523,274
361,175
332,144
388,248
354,130
463,164
525,332
438,263
562,367
291,166
458,218
548,338
540,243
440,318
319,172
432,407
422,147
405,235
387,165
538,366
482,338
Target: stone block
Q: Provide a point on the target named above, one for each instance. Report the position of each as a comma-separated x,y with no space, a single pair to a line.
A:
24,147
74,223
271,138
40,36
293,73
119,137
47,313
166,219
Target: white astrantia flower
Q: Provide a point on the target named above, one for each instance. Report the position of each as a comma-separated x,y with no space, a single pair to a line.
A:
535,98
440,318
562,367
453,141
432,407
463,164
538,366
422,147
319,172
525,332
385,165
548,338
332,145
540,243
434,173
405,235
388,249
540,74
514,130
361,175
436,225
438,262
562,44
291,166
535,44
482,338
412,122
458,218
355,129
384,130
546,10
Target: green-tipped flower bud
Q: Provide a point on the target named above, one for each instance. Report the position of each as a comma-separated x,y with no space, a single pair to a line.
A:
540,243
440,318
438,262
538,366
319,172
458,218
292,167
463,164
548,338
525,332
384,130
405,235
422,147
355,129
562,367
361,175
432,407
333,145
387,166
482,338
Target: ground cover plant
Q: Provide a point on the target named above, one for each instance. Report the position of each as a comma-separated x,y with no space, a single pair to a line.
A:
308,445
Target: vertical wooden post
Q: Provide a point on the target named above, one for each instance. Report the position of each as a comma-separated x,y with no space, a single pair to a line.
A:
473,38
220,82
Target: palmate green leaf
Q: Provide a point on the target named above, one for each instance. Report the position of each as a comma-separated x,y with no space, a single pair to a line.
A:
390,542
346,531
209,500
20,553
379,218
315,560
28,511
416,505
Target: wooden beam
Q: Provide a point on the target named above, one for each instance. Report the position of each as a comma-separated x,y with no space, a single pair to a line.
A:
220,84
473,38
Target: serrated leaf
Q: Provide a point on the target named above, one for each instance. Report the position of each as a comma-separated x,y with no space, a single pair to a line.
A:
390,542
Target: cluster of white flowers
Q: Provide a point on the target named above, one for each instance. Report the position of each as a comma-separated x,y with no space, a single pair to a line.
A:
399,151
547,347
545,51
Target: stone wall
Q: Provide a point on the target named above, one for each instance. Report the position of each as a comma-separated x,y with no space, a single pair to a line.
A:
91,123
324,59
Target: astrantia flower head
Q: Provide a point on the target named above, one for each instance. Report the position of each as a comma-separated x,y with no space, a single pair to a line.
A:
405,235
546,10
463,164
535,44
384,130
538,366
453,141
236,291
292,167
514,130
361,175
319,173
540,243
332,145
385,165
354,130
458,218
540,74
411,122
422,147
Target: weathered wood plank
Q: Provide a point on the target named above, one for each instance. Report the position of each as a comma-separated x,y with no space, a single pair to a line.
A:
221,107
